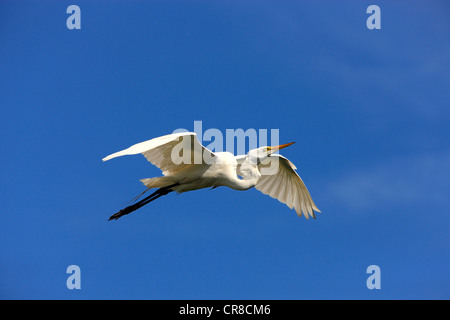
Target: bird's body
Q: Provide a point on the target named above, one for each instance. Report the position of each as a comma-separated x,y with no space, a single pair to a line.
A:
188,166
220,173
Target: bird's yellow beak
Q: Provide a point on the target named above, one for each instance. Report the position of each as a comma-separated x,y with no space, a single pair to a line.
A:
276,148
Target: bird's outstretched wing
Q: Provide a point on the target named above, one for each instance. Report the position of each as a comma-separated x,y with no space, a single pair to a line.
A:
280,181
170,153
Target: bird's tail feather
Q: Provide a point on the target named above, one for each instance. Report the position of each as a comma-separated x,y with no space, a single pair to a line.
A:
150,183
158,182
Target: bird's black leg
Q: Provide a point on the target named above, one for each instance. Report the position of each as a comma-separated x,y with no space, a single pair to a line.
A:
155,195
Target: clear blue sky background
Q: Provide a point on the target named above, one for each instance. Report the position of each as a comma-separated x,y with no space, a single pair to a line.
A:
369,110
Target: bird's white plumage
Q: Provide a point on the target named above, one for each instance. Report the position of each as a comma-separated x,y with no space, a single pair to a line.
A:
158,151
275,176
280,181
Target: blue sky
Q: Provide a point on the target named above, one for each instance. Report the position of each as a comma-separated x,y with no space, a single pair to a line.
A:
369,110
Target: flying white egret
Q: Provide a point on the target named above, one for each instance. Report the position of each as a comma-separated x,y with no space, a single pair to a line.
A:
199,168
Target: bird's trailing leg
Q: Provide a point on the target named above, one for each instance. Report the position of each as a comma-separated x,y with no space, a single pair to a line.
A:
155,195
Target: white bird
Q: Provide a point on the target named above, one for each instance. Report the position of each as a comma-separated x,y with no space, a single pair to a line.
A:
187,165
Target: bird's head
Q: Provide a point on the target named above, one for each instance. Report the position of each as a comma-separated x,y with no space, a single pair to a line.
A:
259,154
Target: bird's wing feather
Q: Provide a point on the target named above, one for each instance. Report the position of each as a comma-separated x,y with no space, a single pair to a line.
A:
280,181
167,152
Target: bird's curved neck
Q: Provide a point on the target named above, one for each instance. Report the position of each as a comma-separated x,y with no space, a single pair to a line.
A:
243,184
250,176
